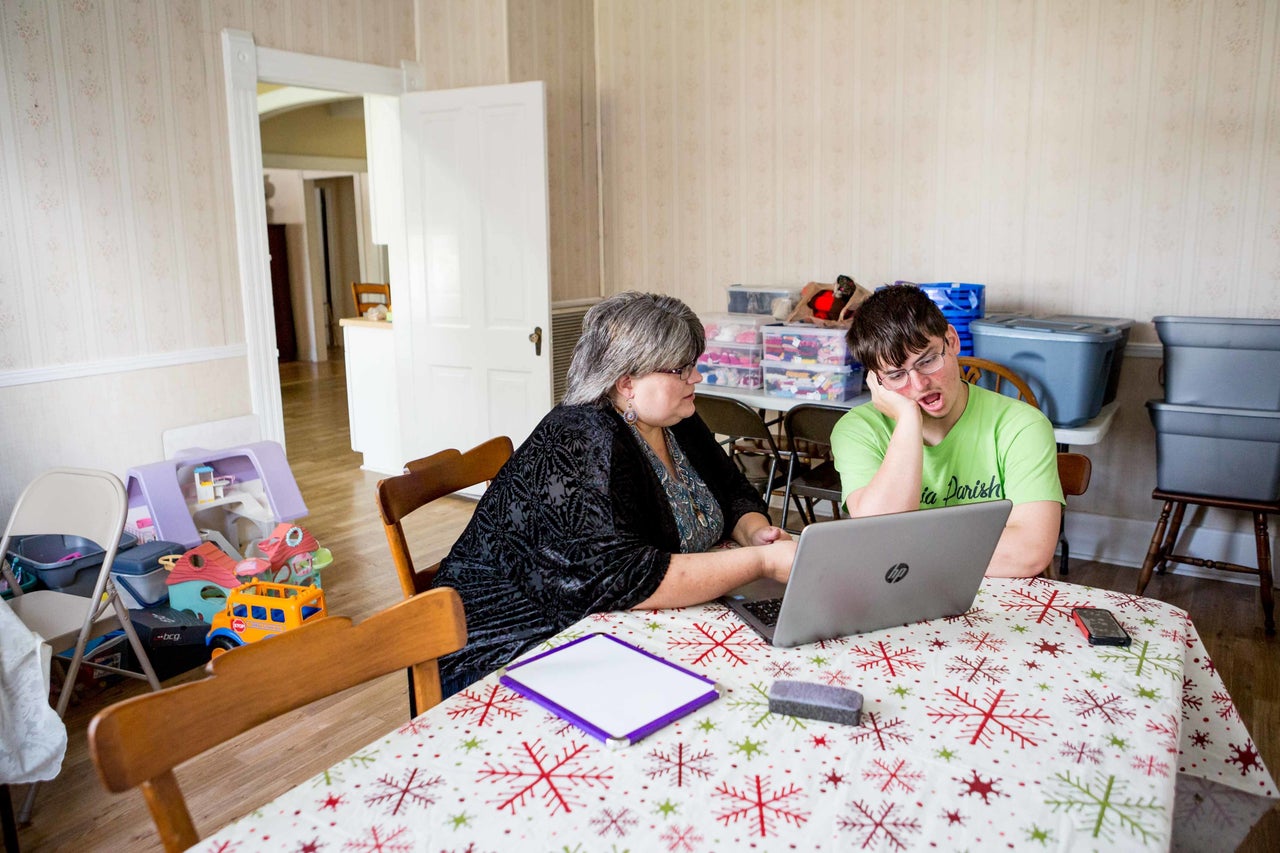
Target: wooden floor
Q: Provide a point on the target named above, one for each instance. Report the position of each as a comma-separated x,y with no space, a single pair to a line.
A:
74,813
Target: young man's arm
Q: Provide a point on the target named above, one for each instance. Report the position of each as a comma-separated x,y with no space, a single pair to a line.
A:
1027,544
896,485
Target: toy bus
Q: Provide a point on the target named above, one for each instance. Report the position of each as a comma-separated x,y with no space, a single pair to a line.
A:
261,609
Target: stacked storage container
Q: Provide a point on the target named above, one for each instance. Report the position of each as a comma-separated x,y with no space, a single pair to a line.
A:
1218,427
961,304
809,363
732,356
1067,363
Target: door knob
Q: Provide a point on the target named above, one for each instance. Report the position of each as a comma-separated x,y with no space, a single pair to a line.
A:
535,338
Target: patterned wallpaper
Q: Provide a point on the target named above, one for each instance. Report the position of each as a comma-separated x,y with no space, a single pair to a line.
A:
1110,157
116,237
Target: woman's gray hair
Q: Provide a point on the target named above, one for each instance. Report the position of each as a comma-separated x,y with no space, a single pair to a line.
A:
631,333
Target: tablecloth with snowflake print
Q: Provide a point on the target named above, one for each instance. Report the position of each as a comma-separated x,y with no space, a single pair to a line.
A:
998,728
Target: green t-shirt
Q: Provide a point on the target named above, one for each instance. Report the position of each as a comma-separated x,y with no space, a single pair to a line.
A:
1000,448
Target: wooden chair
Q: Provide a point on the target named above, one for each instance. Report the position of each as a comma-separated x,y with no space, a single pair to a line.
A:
138,742
1074,471
973,369
365,295
808,431
424,481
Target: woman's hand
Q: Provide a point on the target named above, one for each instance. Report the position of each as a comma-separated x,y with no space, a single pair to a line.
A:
778,557
769,533
755,528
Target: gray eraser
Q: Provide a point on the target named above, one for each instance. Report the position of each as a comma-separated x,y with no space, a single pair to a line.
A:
816,702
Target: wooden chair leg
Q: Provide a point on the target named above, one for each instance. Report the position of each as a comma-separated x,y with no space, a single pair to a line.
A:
1263,541
1171,536
1154,550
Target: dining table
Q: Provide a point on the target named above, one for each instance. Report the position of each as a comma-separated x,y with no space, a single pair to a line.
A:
997,728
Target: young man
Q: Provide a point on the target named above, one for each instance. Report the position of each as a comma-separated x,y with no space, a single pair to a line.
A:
929,439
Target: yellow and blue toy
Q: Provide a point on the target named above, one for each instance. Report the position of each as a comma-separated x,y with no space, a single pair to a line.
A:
261,609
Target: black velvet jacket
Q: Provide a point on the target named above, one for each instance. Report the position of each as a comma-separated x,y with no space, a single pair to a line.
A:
576,522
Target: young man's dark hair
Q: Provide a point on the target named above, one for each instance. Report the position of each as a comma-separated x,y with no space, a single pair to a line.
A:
892,322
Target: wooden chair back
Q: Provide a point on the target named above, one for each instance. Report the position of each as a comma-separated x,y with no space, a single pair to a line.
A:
138,742
1074,471
972,369
366,295
424,481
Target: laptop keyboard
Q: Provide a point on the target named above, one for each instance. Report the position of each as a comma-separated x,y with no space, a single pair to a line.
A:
766,610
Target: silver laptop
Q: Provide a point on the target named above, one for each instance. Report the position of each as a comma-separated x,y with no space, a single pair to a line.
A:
855,575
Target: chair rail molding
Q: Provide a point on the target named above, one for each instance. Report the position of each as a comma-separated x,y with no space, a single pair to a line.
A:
127,364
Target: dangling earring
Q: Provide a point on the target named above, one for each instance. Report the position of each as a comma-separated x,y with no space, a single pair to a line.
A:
630,415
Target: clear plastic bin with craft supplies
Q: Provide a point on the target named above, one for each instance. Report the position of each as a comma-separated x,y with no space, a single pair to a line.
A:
1221,361
1217,451
827,382
734,328
65,563
731,377
769,300
801,344
731,355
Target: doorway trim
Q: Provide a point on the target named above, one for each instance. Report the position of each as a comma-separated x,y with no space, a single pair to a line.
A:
244,64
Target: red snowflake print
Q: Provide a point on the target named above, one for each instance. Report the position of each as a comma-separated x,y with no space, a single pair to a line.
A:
554,774
616,822
1168,730
1134,602
781,669
983,641
1045,647
1112,708
894,662
980,668
819,740
489,702
838,677
225,846
395,793
1201,739
1191,702
1226,708
416,726
890,774
312,846
1081,752
831,641
378,842
894,829
1177,636
977,786
873,728
732,644
954,818
1031,664
1150,765
982,717
833,779
681,763
762,807
970,618
680,838
938,643
1246,756
331,802
1042,607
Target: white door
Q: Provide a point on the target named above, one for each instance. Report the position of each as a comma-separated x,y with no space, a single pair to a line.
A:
477,280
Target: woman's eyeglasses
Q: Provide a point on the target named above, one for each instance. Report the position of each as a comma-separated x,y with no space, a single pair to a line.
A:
684,371
927,364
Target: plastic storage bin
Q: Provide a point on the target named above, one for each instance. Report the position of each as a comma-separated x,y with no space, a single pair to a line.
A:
1220,361
812,382
65,563
1220,452
731,355
139,576
734,328
1066,364
806,345
961,303
760,299
1117,356
732,377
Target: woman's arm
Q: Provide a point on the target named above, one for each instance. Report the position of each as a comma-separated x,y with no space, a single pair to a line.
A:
695,578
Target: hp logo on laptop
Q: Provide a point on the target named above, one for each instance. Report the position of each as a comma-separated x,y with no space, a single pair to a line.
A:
896,572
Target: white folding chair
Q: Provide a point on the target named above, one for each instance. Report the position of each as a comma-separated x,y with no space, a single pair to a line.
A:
91,505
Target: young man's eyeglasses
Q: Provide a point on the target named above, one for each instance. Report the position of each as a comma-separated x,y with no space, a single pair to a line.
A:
925,365
684,371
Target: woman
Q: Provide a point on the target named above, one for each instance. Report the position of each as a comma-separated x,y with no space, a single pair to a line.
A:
616,501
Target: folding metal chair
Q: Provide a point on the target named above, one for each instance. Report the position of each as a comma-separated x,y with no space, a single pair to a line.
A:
92,505
808,431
